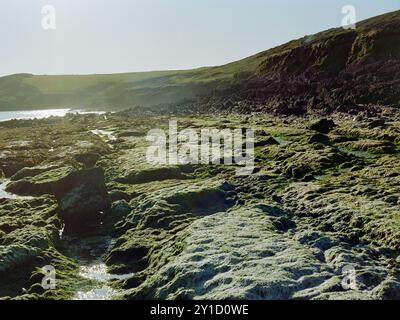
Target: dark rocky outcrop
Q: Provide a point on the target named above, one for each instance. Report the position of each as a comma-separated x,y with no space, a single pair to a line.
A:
266,142
376,123
83,199
323,125
81,194
319,138
88,159
349,71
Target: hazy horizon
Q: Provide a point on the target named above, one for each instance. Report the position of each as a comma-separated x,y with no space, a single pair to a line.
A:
123,36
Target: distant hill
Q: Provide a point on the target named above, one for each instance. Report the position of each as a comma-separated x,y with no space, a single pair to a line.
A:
334,69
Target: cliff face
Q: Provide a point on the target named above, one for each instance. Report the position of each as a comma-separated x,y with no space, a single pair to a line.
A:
336,70
335,50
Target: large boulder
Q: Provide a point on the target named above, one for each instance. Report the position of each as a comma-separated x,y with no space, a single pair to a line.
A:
83,199
323,126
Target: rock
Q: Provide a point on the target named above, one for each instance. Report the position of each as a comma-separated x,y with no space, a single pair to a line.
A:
319,138
120,208
298,173
33,171
200,238
13,256
116,195
219,261
134,255
28,188
28,231
157,174
129,133
88,159
272,141
376,123
266,142
203,201
39,184
323,125
291,109
284,224
12,166
392,199
308,177
260,133
388,290
83,199
277,198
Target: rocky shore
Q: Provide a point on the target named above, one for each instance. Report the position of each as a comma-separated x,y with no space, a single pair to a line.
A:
77,194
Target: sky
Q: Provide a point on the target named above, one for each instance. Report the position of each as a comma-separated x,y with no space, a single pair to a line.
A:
112,36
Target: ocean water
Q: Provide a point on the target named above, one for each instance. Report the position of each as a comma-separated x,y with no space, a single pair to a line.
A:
40,114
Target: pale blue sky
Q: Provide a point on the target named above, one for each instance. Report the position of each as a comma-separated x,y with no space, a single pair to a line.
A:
108,36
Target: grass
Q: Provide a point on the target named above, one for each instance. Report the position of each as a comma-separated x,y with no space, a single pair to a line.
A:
117,91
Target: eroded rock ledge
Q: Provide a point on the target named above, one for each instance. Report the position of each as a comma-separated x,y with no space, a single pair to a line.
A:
324,196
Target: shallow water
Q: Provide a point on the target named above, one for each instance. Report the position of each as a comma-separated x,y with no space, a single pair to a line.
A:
98,271
102,293
41,114
92,267
101,290
31,114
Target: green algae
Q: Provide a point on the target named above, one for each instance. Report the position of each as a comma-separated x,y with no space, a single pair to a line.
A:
200,231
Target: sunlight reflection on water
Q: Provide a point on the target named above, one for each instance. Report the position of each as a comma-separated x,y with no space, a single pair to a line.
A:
41,114
38,114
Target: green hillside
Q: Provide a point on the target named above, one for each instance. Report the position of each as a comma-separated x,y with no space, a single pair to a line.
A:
111,91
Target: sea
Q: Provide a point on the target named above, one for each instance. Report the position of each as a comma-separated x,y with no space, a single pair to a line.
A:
40,114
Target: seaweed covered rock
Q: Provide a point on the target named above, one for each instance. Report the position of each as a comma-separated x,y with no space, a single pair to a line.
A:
28,231
220,261
388,289
37,181
88,159
157,174
15,256
270,141
83,199
319,138
33,171
152,231
323,125
376,123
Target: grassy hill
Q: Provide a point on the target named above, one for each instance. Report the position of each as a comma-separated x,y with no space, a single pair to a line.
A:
115,91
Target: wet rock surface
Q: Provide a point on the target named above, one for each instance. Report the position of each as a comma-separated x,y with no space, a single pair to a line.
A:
320,205
82,198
